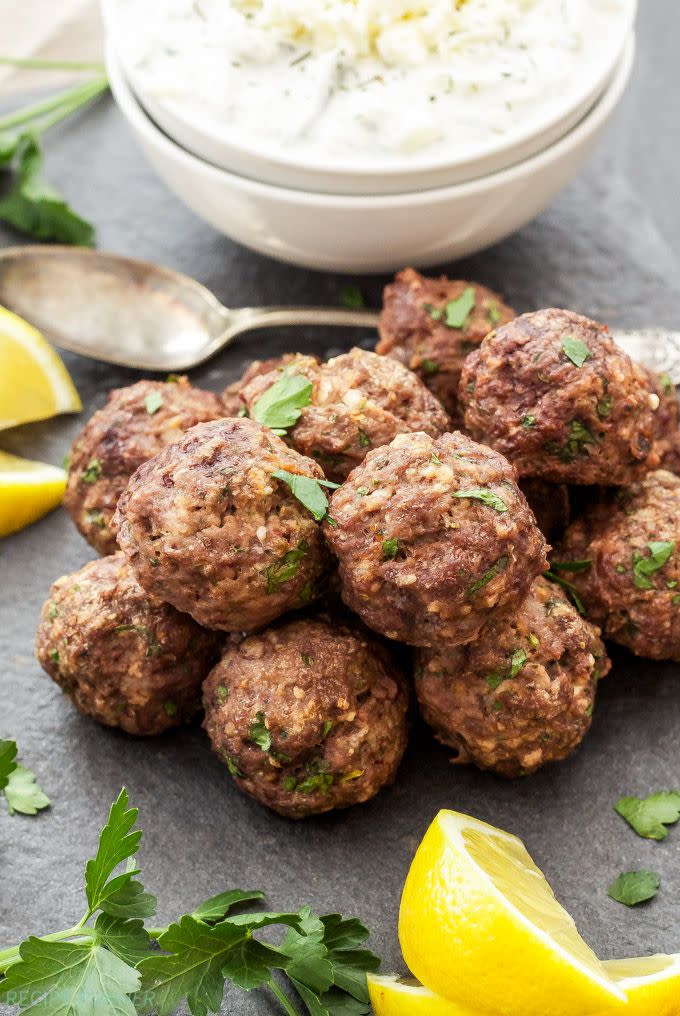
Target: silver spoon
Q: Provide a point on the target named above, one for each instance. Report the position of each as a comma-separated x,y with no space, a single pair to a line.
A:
135,314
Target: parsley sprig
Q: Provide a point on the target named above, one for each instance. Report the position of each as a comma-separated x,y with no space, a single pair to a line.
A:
281,405
32,205
18,784
108,964
308,492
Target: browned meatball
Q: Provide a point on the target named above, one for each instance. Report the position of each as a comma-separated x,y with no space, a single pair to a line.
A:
135,424
208,528
623,558
234,404
308,716
522,694
553,393
357,401
434,537
550,504
123,657
667,422
414,330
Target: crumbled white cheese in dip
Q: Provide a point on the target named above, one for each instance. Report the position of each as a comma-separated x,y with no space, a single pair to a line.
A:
365,82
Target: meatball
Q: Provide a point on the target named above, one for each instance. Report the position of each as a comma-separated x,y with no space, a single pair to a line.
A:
357,401
418,328
550,503
668,422
522,694
207,527
553,393
234,404
135,424
123,657
623,559
433,537
308,716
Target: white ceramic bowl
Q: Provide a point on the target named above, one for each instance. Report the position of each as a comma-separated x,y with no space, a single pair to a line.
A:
201,133
369,234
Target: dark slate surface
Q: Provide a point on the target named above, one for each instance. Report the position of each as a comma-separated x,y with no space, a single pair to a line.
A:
606,247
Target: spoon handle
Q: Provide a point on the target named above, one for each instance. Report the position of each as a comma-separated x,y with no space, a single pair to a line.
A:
247,319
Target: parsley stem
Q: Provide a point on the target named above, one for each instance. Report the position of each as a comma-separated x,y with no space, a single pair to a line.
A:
283,999
10,956
30,63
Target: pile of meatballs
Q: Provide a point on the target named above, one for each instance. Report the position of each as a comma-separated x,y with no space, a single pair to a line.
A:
293,556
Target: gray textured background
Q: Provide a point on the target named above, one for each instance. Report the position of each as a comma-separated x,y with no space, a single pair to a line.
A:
606,248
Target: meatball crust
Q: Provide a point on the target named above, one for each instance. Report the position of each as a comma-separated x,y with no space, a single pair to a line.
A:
358,401
207,527
134,425
123,657
555,394
623,558
522,694
308,716
668,422
234,403
413,329
434,538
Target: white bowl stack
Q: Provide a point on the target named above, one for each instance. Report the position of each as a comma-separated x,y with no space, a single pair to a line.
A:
358,217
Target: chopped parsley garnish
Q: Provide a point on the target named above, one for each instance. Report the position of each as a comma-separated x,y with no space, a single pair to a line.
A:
529,420
153,402
633,887
221,694
363,491
53,612
95,518
172,379
492,312
515,664
458,311
93,471
54,655
649,816
153,646
352,297
233,768
285,568
170,708
434,459
326,728
430,366
259,734
569,588
308,491
307,659
281,405
666,384
604,407
576,351
571,566
390,549
575,446
364,441
486,496
494,571
643,567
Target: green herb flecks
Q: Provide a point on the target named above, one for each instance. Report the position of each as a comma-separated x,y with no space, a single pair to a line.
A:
308,491
364,440
259,733
576,444
643,567
153,402
515,665
487,497
153,646
458,311
494,571
390,549
575,350
285,568
281,405
493,314
649,816
604,407
93,471
569,588
571,566
634,887
528,420
95,518
352,297
429,367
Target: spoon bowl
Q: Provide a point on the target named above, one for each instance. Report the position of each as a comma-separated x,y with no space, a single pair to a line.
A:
136,314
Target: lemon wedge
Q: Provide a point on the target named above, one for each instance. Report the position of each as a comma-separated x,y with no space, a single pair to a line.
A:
394,996
480,926
34,383
28,490
651,984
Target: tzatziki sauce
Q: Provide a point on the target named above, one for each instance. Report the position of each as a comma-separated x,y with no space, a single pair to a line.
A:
366,82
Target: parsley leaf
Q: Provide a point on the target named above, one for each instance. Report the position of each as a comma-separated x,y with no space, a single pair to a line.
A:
649,816
217,907
486,496
430,366
285,567
259,734
576,351
516,662
23,793
308,491
633,887
494,571
281,405
570,589
390,549
117,843
352,297
643,567
571,566
458,311
8,763
93,471
153,402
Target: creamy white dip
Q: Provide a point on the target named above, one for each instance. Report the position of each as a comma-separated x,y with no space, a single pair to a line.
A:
367,81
